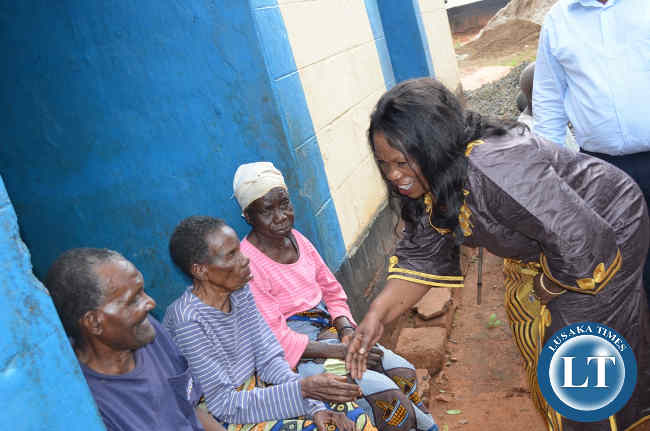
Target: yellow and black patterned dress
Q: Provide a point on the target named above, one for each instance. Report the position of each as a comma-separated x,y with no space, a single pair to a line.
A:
581,221
351,410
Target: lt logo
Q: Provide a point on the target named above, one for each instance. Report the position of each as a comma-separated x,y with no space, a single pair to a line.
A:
600,371
586,372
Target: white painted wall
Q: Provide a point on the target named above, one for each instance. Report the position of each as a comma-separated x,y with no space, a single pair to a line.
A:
337,60
441,46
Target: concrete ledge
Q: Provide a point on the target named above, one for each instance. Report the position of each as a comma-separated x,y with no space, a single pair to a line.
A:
363,270
423,347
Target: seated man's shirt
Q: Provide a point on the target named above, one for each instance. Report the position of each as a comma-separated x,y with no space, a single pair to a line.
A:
158,394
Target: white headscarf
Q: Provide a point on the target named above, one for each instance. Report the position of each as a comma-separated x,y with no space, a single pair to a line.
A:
254,180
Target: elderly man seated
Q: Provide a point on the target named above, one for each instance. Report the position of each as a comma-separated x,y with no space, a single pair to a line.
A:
136,374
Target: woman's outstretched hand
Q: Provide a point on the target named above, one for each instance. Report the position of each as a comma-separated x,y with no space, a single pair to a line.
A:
366,335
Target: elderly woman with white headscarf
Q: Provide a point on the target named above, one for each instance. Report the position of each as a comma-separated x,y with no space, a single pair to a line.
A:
306,307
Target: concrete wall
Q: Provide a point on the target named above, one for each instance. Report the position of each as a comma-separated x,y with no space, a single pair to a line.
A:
406,39
336,55
41,384
120,119
441,46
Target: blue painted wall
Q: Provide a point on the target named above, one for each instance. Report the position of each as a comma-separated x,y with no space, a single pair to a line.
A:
406,39
36,361
374,17
121,118
308,169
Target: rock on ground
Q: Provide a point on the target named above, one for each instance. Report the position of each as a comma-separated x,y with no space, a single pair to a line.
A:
435,303
423,347
498,98
530,10
509,38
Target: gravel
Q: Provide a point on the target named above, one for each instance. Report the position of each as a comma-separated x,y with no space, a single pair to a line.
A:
498,98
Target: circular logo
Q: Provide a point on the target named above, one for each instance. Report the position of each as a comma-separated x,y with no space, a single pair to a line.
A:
586,371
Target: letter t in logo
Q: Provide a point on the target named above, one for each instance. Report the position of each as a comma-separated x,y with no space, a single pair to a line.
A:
600,368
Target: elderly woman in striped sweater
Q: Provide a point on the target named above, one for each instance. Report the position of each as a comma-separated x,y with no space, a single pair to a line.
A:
231,350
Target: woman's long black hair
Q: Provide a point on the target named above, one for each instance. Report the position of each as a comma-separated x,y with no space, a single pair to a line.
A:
426,123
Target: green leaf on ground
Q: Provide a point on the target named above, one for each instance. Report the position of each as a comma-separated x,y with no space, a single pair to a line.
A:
493,322
454,412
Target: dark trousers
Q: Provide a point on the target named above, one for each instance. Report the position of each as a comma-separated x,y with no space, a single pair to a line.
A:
637,166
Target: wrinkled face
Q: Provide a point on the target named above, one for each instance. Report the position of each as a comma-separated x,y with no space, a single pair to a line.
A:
403,174
226,266
122,316
272,214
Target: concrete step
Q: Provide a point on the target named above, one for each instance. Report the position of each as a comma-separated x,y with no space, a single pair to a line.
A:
423,347
435,303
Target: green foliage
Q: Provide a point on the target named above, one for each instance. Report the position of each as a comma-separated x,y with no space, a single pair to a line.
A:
493,322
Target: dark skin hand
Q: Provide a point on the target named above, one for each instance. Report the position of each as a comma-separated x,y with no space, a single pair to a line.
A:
551,292
317,349
397,297
339,420
209,423
344,328
329,387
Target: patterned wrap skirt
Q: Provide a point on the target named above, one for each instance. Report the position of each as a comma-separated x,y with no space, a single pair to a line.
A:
351,410
390,395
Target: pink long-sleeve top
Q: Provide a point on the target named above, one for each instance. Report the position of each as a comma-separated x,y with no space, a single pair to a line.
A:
282,290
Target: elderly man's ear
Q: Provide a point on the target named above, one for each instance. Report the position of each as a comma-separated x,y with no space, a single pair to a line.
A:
198,271
91,322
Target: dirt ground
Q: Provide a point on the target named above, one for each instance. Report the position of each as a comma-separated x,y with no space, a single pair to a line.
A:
491,56
484,377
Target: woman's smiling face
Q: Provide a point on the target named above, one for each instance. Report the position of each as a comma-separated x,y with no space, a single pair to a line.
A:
403,174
